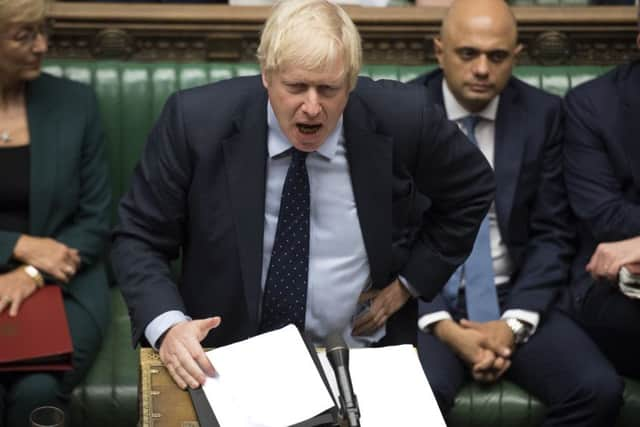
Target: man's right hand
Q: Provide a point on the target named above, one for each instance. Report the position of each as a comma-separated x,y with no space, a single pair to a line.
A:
182,354
469,344
474,348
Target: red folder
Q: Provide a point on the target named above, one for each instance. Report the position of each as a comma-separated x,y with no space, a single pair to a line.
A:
38,338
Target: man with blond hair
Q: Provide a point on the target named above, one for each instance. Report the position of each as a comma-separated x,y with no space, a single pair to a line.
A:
295,198
496,316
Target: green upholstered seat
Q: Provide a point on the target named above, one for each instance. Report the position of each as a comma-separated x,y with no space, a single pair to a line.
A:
131,96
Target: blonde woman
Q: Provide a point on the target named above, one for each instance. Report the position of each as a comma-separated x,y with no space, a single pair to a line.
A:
54,204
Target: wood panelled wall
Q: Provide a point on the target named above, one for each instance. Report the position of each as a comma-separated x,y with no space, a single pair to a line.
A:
393,35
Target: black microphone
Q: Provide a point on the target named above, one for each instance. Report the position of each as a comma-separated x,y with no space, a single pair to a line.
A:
338,355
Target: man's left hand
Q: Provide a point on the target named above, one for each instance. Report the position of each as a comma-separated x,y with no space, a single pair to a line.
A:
608,258
384,303
500,337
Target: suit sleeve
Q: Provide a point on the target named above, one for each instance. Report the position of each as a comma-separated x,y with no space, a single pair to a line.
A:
8,240
594,190
152,216
89,230
459,182
429,307
548,251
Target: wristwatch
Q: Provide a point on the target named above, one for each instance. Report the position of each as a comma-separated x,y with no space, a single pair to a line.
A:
520,329
34,274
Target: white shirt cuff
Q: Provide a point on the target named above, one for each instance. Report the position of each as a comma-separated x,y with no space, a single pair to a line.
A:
426,321
161,324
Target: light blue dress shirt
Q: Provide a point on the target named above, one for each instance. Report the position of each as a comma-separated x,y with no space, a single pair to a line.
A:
338,264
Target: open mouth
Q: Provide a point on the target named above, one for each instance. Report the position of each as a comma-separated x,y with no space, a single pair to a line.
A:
308,129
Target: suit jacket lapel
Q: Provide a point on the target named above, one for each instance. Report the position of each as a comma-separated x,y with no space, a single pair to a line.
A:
245,154
508,154
509,144
370,158
44,138
628,88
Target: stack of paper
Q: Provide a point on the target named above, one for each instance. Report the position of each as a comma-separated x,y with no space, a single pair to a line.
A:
271,380
267,381
390,386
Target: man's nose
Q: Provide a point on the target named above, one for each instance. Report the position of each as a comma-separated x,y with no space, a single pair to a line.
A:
311,105
40,44
481,66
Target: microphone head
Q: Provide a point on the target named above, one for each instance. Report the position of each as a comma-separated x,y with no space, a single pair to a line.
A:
335,341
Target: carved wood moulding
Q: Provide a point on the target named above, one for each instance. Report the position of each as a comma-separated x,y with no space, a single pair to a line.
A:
394,35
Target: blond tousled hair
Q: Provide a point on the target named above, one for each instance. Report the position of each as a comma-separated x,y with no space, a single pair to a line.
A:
311,34
19,11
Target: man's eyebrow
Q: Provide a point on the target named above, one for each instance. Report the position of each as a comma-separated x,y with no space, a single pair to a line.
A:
476,49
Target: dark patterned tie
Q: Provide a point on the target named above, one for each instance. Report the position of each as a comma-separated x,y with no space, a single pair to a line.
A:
285,291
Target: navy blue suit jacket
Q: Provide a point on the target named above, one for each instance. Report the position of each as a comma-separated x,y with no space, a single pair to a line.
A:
602,163
531,205
200,188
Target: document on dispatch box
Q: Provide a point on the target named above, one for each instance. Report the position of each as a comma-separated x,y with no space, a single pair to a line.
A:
269,380
390,386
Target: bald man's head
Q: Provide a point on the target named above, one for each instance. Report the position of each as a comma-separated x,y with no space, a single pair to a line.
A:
476,49
495,12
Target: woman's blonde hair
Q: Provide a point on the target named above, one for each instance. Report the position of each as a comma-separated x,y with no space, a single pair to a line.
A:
311,34
14,11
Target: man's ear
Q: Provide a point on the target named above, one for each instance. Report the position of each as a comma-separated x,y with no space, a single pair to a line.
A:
516,51
265,79
437,49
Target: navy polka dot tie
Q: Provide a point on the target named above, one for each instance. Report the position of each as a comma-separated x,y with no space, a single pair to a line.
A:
285,291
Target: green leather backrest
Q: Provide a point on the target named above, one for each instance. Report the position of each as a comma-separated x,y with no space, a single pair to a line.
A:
131,94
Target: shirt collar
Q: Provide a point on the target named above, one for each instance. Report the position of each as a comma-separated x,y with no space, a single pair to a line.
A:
455,111
278,142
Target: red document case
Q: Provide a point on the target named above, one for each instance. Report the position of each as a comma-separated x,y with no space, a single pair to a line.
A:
38,338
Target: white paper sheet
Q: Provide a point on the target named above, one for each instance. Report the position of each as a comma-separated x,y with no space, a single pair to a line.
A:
266,381
390,386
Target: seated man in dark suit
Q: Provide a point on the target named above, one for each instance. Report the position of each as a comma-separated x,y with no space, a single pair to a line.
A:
281,193
495,316
602,174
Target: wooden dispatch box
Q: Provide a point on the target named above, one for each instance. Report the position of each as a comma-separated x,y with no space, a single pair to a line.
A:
162,402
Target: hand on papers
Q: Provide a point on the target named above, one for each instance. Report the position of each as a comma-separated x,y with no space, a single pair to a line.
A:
384,303
608,258
480,345
182,354
15,287
49,256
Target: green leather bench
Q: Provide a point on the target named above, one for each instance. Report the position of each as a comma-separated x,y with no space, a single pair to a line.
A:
131,96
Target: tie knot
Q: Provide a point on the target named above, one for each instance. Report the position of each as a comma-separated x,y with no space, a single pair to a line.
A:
469,124
298,156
